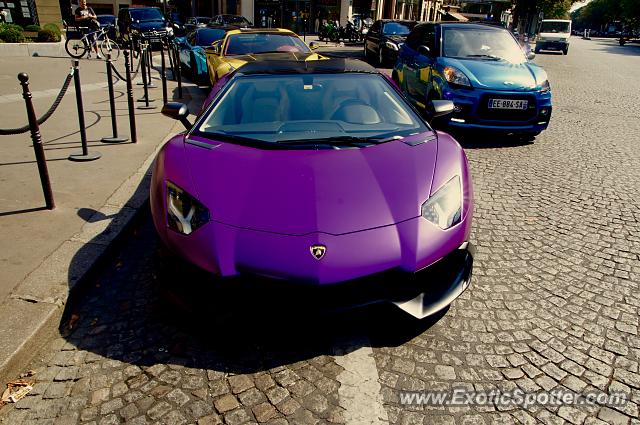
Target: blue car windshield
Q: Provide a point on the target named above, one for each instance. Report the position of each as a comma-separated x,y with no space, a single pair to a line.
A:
397,28
208,36
486,44
306,107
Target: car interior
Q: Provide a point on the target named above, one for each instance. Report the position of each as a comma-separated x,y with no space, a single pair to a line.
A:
268,106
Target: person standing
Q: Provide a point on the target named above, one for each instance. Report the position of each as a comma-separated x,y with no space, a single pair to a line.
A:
86,17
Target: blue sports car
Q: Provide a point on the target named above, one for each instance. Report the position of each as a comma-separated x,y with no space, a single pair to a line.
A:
483,70
192,55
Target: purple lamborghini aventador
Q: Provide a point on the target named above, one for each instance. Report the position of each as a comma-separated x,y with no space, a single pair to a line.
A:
319,173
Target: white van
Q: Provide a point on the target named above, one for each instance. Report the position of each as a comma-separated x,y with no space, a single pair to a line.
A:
554,35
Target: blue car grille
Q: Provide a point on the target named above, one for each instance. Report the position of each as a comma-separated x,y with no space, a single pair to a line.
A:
485,113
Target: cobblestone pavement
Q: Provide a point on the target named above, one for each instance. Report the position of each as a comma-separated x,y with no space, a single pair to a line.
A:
553,304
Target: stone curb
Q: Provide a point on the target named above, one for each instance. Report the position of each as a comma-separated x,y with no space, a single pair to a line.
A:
33,49
33,311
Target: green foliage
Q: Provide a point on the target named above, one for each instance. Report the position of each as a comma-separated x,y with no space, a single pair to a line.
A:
600,12
54,28
555,9
46,35
32,28
11,33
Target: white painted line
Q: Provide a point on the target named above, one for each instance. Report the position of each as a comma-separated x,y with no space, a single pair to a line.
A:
359,392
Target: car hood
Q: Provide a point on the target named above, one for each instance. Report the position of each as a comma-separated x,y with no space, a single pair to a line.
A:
297,192
499,75
554,35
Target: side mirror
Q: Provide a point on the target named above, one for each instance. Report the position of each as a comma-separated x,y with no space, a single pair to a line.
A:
177,111
531,55
439,111
424,50
313,45
214,49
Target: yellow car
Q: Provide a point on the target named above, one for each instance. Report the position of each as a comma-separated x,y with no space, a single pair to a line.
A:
248,44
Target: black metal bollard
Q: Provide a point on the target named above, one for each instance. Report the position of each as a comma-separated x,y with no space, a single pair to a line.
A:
145,98
176,59
163,76
150,66
37,142
112,104
171,64
84,155
141,61
132,112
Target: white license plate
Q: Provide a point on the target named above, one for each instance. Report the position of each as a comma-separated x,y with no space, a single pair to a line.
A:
508,104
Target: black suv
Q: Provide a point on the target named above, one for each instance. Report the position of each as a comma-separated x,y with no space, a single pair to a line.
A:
143,23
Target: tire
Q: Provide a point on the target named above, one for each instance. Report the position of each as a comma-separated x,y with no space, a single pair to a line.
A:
110,47
334,36
565,51
536,51
76,48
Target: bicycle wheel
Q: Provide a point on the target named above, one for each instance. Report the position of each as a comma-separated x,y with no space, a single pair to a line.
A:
76,47
109,46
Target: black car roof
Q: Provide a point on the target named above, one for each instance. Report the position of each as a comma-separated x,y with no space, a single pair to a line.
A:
329,66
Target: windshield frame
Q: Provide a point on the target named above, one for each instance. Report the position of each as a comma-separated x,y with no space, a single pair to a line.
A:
522,58
257,143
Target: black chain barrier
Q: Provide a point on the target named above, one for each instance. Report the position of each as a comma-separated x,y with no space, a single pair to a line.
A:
47,115
133,76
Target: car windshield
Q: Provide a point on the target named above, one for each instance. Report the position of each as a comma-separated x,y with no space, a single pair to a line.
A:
146,14
486,44
208,36
554,27
303,108
235,19
203,20
397,28
242,44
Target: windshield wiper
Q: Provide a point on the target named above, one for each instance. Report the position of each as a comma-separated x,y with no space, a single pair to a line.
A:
492,57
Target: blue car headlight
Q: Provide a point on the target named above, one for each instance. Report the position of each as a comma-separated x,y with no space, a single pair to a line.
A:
455,76
545,87
185,213
444,208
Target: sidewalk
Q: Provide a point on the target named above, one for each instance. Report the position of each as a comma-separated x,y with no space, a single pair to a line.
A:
37,245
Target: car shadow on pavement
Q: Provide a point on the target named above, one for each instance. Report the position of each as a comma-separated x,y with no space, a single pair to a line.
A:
483,140
612,46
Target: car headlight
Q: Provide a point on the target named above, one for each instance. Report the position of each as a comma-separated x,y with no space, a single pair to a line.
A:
545,87
444,208
185,213
455,76
391,45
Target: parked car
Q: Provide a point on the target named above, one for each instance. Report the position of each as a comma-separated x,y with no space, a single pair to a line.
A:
108,20
483,70
233,20
197,22
383,39
321,173
554,34
191,51
143,23
246,45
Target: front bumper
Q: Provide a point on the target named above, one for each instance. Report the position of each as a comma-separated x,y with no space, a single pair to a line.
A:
552,45
472,111
412,264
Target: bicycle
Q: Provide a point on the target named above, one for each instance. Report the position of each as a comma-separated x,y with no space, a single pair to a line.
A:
78,47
